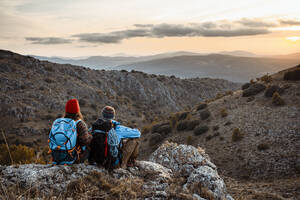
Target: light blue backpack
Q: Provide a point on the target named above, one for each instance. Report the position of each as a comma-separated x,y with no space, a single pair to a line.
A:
62,141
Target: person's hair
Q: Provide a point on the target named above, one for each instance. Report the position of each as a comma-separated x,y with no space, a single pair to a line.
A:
74,116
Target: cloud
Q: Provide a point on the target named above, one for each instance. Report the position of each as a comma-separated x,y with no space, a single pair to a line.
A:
48,40
290,22
143,25
112,37
256,23
207,29
224,28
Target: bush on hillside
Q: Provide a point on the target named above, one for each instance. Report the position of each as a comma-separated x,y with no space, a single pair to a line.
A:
20,154
201,130
215,128
277,100
272,89
266,78
187,125
48,80
175,117
201,106
237,135
223,112
182,125
209,137
263,146
163,127
146,129
189,140
155,139
245,86
204,114
292,75
254,89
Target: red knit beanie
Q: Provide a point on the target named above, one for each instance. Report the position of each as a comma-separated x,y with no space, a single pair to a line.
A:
72,106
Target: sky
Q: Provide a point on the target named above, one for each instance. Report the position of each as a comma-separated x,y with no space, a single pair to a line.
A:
75,28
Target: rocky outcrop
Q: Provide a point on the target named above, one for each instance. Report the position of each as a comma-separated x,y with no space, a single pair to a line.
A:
193,164
170,162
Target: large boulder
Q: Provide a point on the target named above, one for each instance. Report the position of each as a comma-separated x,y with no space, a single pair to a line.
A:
195,165
171,166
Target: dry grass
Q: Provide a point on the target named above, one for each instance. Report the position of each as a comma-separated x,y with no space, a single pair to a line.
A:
277,189
223,112
237,135
266,78
17,154
277,100
103,186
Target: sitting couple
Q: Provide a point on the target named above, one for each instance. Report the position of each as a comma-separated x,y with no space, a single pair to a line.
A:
106,143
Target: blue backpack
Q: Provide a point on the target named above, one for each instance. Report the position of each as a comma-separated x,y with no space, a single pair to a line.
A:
62,141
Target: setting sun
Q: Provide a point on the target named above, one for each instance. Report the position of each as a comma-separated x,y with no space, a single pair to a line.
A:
293,39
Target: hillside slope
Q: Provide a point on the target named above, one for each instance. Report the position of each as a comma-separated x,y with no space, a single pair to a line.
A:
33,94
252,137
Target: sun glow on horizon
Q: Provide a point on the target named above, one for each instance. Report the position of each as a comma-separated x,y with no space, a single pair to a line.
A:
293,38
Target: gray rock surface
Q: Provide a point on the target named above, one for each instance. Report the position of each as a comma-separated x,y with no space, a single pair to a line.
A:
168,162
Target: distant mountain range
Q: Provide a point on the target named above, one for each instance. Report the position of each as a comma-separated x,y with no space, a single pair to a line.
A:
237,66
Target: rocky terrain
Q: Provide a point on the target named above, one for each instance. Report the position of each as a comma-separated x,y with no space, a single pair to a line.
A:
252,135
251,132
173,172
33,94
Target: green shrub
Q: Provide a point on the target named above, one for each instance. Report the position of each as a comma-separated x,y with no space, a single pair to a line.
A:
237,135
200,130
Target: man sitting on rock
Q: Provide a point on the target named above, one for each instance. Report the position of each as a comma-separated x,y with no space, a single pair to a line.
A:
113,145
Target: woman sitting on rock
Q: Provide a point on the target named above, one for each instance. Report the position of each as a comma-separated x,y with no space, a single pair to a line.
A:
113,145
69,136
